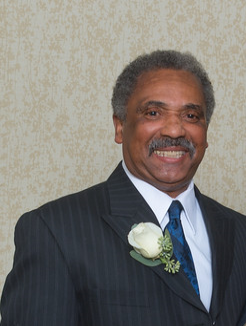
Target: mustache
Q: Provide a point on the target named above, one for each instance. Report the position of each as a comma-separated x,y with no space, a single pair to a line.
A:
170,142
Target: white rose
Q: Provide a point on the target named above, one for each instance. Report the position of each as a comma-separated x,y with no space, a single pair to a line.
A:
144,239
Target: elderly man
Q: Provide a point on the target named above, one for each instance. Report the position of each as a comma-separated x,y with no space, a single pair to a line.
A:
81,260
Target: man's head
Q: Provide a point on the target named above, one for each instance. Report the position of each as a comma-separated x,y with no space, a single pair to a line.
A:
161,118
169,59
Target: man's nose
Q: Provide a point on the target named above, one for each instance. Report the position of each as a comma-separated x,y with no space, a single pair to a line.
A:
172,126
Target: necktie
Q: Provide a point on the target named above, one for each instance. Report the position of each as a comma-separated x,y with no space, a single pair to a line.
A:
180,247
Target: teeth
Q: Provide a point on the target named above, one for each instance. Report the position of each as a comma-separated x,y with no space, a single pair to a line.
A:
172,154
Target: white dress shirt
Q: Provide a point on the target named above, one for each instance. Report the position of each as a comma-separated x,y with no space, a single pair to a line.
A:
193,225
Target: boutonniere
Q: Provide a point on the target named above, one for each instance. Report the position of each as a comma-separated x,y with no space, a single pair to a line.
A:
151,247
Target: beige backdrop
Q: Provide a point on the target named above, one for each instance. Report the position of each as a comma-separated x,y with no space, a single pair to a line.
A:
59,60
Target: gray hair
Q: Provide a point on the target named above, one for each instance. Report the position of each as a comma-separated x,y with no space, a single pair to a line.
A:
170,59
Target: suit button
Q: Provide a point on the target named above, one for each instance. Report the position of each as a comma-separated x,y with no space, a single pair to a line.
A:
214,322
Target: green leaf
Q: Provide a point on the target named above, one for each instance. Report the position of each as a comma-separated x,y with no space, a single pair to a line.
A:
166,232
168,236
145,261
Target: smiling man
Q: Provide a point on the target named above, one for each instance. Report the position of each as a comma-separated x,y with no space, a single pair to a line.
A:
164,133
73,264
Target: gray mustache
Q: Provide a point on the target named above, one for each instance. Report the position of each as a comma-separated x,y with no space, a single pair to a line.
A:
168,142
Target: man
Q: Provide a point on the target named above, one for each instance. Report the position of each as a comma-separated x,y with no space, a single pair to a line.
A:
72,264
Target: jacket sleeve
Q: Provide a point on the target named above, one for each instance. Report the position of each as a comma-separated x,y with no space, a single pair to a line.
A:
39,290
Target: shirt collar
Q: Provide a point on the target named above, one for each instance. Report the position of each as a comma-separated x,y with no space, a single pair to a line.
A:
160,202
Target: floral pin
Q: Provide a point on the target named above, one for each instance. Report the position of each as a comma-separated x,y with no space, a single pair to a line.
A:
151,248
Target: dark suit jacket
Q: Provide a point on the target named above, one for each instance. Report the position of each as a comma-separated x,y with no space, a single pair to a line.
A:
243,318
72,265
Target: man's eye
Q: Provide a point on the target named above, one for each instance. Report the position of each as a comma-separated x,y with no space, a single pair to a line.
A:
192,117
152,113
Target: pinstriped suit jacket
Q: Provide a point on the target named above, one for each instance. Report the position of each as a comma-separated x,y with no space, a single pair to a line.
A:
72,265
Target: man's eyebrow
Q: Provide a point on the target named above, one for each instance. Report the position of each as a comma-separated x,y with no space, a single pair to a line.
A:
148,104
193,106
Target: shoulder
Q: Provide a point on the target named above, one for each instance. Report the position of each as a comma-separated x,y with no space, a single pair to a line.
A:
70,207
212,206
75,208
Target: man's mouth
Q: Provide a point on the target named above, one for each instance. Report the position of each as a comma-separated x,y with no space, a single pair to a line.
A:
170,154
182,145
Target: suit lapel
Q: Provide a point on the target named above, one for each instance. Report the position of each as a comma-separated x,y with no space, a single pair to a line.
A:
220,229
128,208
127,205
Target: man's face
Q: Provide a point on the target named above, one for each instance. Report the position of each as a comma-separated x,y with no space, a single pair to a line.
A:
165,113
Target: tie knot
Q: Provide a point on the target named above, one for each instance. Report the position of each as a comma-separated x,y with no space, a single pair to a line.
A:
175,209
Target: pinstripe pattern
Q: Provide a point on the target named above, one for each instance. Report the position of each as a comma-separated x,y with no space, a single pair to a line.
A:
72,265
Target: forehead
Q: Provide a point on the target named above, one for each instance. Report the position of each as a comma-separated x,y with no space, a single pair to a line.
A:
168,83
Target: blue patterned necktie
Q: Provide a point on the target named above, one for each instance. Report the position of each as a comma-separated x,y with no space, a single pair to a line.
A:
180,247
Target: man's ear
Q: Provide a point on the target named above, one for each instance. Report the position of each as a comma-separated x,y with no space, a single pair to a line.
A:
118,130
